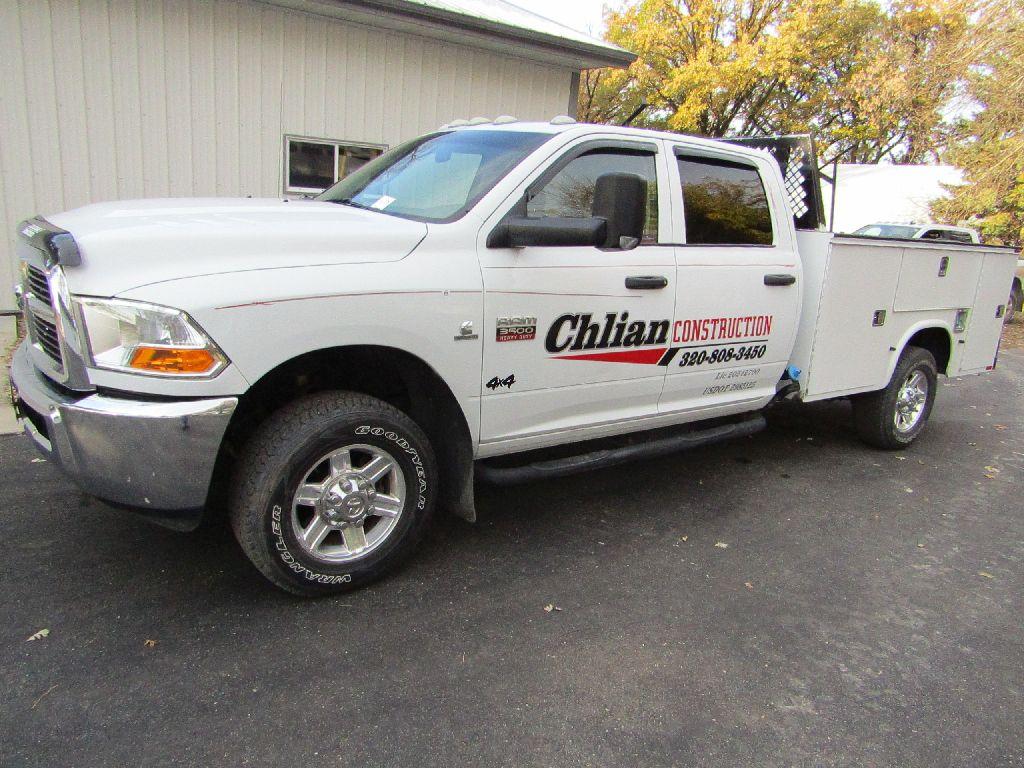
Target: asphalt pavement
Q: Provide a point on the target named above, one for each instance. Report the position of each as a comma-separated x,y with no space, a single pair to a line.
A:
790,599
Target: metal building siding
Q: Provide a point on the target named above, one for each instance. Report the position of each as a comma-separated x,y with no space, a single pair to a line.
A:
117,99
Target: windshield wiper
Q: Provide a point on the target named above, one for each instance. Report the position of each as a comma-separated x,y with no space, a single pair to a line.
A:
353,203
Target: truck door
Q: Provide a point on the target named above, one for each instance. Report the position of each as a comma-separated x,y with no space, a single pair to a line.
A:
737,284
572,335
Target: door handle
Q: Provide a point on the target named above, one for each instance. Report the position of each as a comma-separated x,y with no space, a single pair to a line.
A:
646,282
779,279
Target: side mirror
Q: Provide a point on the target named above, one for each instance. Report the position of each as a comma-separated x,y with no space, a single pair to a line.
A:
519,232
621,200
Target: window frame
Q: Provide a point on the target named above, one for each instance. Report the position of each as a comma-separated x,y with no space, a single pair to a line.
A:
701,154
338,146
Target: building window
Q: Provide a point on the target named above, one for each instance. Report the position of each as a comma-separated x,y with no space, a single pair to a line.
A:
313,165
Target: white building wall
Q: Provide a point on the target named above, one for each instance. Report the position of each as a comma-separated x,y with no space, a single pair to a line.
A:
117,99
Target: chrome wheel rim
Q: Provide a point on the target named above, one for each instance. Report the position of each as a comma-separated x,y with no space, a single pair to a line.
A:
910,401
348,503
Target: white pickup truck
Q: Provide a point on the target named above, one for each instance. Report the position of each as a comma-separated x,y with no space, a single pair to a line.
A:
488,302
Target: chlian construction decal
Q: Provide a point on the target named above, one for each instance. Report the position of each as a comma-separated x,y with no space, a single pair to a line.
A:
699,341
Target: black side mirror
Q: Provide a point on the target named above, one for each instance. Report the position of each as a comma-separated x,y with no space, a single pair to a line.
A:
520,231
621,200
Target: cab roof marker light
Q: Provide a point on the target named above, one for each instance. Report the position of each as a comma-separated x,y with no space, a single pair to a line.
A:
562,120
505,119
479,121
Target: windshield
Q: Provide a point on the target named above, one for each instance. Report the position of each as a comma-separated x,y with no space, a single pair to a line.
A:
887,230
437,177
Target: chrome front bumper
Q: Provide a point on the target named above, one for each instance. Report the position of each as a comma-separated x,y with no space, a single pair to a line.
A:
156,456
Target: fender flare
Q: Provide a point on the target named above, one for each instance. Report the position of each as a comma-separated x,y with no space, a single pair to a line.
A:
923,325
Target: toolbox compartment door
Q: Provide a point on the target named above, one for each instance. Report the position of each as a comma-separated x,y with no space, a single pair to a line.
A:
937,277
983,327
849,352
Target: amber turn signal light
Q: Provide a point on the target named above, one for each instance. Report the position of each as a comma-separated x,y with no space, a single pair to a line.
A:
170,360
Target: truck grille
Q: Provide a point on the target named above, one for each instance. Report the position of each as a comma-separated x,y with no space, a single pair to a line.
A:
46,306
46,335
38,284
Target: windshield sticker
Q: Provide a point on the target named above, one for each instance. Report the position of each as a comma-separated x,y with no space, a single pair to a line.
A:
382,202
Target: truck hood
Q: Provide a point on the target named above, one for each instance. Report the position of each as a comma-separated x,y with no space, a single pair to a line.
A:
132,243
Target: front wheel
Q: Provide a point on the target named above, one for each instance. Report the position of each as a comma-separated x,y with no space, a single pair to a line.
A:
894,417
332,492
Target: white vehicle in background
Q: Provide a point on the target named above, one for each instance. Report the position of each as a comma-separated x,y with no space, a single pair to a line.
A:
495,302
940,232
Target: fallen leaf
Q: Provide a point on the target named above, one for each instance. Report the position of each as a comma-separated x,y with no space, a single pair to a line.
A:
683,538
44,694
721,545
999,426
748,585
972,443
909,490
992,469
38,461
920,546
38,635
150,643
990,476
986,574
549,608
900,458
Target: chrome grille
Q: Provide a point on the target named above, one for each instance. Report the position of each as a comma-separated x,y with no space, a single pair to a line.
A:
38,284
46,335
45,303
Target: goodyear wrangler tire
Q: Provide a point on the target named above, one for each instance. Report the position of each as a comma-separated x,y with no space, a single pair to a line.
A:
894,417
332,492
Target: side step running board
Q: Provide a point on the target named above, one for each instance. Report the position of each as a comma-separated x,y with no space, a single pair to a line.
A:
609,457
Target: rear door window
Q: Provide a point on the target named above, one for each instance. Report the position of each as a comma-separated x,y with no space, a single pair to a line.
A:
724,202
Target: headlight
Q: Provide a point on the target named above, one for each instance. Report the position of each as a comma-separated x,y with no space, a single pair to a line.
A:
144,338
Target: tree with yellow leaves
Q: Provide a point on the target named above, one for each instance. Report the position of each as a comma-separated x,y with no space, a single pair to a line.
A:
989,145
869,81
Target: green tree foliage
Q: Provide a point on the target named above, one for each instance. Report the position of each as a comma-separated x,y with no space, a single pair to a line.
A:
869,79
989,146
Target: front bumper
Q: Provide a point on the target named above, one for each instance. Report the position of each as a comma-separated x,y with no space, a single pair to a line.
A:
156,456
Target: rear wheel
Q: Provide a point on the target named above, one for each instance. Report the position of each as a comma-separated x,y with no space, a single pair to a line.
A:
333,492
894,417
